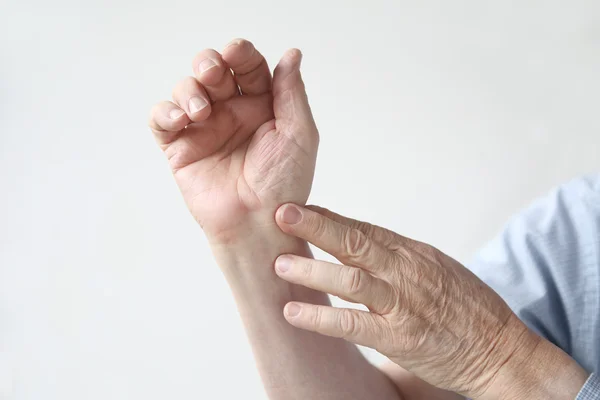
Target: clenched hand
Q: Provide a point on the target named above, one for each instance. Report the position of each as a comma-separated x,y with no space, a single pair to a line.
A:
240,142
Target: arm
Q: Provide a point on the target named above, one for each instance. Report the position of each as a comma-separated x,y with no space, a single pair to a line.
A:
548,373
427,313
293,364
413,388
240,144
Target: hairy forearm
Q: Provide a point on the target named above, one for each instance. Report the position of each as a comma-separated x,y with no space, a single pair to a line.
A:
293,364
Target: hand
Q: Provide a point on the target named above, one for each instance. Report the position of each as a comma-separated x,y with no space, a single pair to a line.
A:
239,142
428,313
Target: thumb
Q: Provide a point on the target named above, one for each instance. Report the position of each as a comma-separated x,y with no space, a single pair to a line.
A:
290,103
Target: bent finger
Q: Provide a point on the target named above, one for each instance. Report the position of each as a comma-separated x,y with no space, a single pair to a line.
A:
167,120
250,69
191,96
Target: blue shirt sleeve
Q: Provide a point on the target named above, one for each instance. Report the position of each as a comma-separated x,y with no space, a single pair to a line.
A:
546,265
591,389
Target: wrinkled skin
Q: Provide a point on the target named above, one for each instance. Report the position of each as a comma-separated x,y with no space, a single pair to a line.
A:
428,313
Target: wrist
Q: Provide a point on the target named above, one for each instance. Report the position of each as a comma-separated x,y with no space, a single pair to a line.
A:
254,240
248,267
252,256
247,259
240,231
536,369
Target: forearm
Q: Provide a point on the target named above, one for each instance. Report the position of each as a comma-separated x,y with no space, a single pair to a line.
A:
412,387
544,372
293,364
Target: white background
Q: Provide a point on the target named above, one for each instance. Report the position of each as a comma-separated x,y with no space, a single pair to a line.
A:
438,120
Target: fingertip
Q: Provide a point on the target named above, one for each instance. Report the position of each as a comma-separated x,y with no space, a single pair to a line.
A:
288,77
213,72
167,117
199,108
292,310
250,69
283,263
234,42
208,67
237,49
174,118
289,214
279,220
292,58
289,62
189,95
176,113
279,213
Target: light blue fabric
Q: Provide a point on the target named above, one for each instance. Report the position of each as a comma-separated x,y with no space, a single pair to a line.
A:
546,266
591,389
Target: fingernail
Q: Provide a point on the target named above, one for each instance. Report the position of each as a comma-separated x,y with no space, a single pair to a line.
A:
205,65
283,263
196,104
291,215
175,113
292,309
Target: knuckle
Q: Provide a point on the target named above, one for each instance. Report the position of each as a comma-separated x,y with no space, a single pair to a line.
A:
364,227
152,123
403,260
188,81
254,76
428,251
354,281
175,156
155,110
316,318
356,243
177,88
389,239
317,226
349,326
183,85
306,269
420,275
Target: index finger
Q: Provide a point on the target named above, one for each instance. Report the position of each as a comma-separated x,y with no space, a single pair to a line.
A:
347,244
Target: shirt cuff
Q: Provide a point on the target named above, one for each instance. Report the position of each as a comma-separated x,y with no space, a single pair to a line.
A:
591,389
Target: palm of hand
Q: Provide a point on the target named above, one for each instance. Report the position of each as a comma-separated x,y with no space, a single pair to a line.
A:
233,158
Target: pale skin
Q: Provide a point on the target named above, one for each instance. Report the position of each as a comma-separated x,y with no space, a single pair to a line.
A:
242,145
